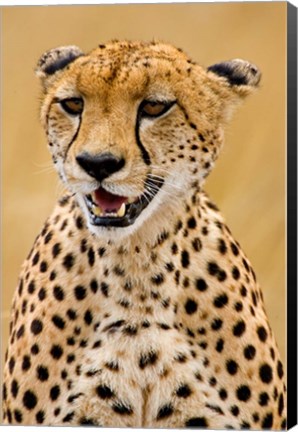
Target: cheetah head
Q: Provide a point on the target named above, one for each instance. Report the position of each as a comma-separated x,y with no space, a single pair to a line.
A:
132,126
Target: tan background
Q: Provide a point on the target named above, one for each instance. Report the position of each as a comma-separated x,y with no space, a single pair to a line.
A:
248,181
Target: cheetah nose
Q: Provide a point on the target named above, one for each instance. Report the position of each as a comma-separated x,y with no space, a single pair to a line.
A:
100,166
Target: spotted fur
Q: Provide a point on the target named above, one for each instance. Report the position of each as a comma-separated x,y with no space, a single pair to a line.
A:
160,323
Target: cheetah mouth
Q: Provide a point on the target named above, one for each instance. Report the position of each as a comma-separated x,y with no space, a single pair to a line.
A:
110,210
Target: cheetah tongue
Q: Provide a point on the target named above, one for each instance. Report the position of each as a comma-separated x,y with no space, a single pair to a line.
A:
108,202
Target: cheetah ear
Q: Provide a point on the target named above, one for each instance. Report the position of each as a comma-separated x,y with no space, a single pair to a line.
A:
55,60
240,75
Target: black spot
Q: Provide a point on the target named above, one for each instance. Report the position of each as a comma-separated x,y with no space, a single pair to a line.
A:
232,367
243,393
254,298
68,417
235,410
219,345
68,261
4,392
263,399
70,341
91,257
265,373
255,417
104,289
165,411
158,279
56,249
53,275
72,315
130,330
58,322
9,415
216,324
243,291
18,416
213,268
215,408
48,237
94,286
223,394
235,273
222,247
191,223
34,349
20,288
280,404
58,293
148,359
221,300
146,324
213,381
249,352
36,326
20,331
35,259
183,391
104,392
54,392
170,267
80,292
64,200
238,306
184,259
26,363
197,244
88,317
119,271
42,373
56,352
29,400
239,328
43,266
201,285
235,249
87,421
122,409
70,358
177,276
31,287
190,306
101,251
14,388
262,333
280,370
267,421
42,294
40,416
196,422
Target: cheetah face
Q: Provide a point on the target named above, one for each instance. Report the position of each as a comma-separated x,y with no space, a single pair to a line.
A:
132,127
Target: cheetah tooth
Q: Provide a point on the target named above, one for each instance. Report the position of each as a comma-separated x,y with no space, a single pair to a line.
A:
121,211
96,210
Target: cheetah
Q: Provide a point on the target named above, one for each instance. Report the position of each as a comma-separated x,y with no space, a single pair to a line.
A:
136,307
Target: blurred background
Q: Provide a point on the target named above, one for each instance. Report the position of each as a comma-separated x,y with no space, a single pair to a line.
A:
248,182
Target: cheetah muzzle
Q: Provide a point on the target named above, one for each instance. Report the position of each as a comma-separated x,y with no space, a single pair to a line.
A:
109,210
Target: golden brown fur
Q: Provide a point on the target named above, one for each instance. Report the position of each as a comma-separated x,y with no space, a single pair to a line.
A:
160,323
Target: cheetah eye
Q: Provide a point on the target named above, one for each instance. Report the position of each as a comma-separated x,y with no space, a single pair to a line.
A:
73,106
154,108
